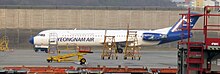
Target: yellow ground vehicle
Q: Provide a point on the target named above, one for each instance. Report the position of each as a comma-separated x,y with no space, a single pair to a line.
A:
67,57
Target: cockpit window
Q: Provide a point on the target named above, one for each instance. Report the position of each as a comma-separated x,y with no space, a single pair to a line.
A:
41,35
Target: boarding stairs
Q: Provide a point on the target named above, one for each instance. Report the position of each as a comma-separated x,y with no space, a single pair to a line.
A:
109,48
132,49
4,43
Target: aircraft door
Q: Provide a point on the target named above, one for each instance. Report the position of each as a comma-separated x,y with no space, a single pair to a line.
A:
53,42
53,39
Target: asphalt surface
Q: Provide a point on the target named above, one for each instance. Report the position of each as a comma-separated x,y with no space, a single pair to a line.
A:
150,59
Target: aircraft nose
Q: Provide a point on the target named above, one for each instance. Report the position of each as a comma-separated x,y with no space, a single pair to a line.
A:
31,40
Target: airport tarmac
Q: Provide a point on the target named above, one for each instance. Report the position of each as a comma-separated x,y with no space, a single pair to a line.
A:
150,59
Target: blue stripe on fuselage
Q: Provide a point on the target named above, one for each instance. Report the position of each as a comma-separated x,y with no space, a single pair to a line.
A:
175,36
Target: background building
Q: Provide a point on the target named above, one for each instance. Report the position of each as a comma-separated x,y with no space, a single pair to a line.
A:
202,3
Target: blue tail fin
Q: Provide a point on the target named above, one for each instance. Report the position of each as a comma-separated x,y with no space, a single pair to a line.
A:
177,32
177,27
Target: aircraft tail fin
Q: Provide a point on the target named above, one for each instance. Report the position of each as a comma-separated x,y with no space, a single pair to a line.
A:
179,30
182,23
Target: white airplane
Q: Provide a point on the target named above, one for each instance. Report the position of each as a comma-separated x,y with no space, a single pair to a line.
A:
96,37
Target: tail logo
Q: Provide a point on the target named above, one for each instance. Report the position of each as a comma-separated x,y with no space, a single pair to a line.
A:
178,25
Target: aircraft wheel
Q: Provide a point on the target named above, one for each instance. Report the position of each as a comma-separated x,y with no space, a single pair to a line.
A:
120,50
103,58
46,51
125,58
82,61
139,58
116,58
36,50
108,57
132,58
